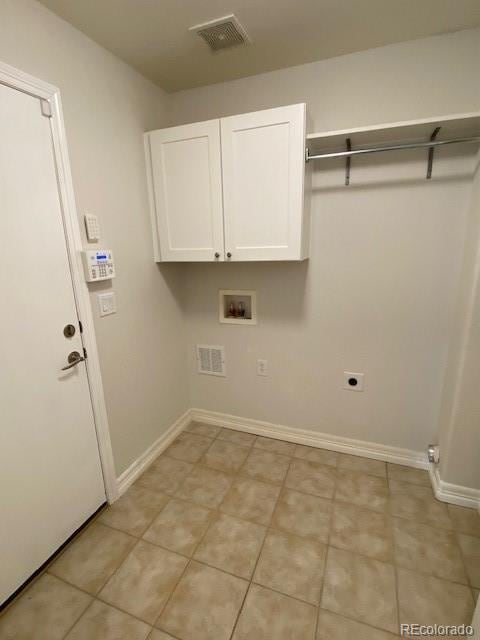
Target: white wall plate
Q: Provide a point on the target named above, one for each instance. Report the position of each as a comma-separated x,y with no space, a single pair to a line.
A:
107,303
353,381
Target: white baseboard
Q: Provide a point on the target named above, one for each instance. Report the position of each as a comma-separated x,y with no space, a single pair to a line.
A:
383,452
444,491
139,465
453,493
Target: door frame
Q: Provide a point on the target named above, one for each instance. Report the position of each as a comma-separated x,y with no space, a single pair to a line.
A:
51,106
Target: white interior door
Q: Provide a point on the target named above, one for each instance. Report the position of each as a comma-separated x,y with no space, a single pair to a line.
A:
50,474
186,182
263,164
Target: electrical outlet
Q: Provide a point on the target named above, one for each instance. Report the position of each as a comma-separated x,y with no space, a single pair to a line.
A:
353,381
262,367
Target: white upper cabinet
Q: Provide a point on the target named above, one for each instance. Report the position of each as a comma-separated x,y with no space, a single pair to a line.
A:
247,189
263,164
184,171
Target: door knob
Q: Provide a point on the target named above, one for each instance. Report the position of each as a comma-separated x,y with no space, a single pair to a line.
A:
229,255
73,359
217,255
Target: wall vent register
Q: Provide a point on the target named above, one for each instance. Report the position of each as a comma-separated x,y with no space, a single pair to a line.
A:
211,360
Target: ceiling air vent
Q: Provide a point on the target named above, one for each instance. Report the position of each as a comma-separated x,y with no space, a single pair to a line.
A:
222,33
211,360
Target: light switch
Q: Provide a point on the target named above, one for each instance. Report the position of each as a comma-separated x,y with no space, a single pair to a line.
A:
262,367
107,303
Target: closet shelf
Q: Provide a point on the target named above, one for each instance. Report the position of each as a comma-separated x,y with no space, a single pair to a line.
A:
461,125
428,133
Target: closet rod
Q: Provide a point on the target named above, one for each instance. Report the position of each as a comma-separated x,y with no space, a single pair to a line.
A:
395,147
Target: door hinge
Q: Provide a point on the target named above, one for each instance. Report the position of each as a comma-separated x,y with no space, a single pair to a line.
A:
80,326
46,108
85,353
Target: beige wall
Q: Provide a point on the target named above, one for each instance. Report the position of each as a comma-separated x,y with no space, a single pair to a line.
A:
459,434
107,107
378,293
417,79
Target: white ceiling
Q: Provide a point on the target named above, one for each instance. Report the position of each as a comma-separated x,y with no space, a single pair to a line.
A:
153,36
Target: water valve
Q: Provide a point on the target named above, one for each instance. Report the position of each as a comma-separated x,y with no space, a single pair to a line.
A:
433,453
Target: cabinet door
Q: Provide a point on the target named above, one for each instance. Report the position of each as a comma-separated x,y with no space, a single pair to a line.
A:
263,163
184,168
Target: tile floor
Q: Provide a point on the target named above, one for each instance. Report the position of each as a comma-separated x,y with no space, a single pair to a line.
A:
229,535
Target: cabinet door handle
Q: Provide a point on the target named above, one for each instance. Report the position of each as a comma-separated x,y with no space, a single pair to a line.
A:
217,255
229,255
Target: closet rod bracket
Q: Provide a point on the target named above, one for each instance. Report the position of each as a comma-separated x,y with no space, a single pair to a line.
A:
348,162
431,153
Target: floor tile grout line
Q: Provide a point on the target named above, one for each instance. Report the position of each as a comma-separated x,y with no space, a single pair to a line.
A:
250,446
320,607
329,537
215,511
46,568
193,504
296,445
120,565
242,471
199,461
340,500
190,560
124,611
337,466
144,531
153,629
164,606
423,572
57,556
123,559
97,598
387,510
367,624
268,528
282,487
395,557
127,613
464,561
250,582
282,593
395,567
394,562
89,605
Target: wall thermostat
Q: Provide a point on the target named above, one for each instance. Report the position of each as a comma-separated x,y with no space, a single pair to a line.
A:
98,265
